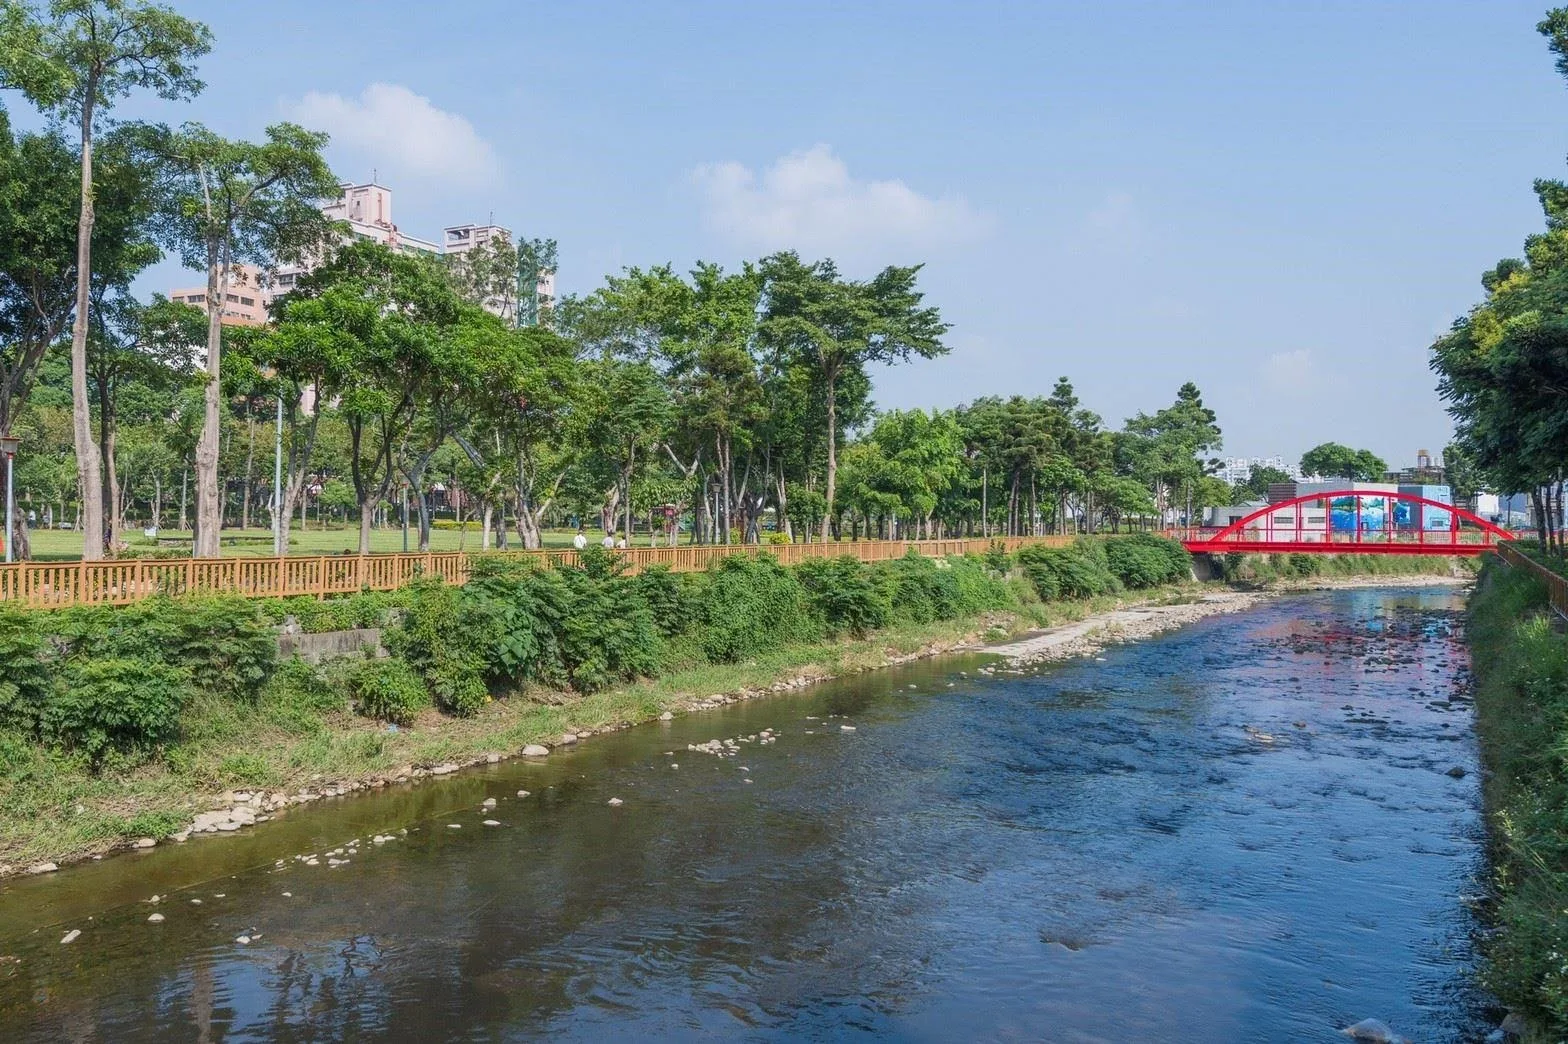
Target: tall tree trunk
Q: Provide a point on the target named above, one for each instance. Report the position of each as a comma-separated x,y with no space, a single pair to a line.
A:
250,469
88,464
185,478
832,489
209,502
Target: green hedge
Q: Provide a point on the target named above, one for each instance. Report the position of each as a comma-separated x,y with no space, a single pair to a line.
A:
104,679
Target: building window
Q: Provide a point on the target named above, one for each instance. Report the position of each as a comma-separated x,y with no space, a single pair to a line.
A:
250,301
195,298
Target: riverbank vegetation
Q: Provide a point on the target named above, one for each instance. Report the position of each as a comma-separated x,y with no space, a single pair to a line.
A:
1268,569
116,722
1519,655
1503,367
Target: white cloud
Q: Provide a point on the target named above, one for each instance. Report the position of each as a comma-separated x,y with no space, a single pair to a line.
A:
399,130
807,200
1288,370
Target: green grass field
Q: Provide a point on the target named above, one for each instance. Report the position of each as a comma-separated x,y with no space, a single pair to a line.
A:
63,545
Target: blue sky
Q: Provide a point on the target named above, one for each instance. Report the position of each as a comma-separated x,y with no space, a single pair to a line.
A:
1283,202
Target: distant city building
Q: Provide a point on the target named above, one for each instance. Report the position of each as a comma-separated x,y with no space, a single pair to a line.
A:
367,211
246,301
1239,469
1427,472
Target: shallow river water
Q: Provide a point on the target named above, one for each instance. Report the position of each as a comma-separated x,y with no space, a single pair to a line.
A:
1241,831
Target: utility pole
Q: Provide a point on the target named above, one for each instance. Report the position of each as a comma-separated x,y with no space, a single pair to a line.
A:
277,485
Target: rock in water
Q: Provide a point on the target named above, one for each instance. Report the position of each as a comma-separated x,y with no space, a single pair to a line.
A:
1375,1031
1457,772
71,936
568,738
155,918
616,801
666,716
534,750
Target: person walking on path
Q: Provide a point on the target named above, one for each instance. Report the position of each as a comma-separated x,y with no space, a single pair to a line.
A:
608,543
580,541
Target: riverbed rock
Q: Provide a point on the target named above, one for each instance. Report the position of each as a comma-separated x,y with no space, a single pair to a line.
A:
143,842
522,793
616,801
155,918
492,822
487,803
443,770
1457,772
243,940
1374,1031
491,759
43,868
534,750
568,738
666,716
71,936
1513,1025
846,728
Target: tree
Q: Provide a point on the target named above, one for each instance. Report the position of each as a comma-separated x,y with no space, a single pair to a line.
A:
234,202
146,348
39,213
1166,449
839,327
1339,461
79,60
1259,481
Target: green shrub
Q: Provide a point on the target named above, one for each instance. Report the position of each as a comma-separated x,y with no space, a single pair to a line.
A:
1080,570
605,631
224,642
847,596
299,694
340,613
116,704
1145,560
997,558
436,643
747,605
666,596
387,689
24,670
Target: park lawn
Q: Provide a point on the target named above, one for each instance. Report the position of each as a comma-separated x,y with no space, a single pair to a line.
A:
64,545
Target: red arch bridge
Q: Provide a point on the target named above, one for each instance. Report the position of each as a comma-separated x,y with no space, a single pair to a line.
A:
1351,521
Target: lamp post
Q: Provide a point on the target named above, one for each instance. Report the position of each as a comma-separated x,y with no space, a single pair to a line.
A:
8,446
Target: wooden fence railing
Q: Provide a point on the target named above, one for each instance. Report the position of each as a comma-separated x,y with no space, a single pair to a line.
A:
56,585
1556,583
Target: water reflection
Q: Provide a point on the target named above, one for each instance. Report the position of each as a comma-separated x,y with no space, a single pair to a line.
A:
1240,831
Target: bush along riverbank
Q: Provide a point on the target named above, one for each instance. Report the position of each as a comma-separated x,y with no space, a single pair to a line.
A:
1297,569
119,725
1519,656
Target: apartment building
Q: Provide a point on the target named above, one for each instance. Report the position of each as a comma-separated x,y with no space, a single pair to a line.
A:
246,301
367,212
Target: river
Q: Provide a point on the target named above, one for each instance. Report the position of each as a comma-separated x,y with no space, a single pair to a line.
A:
1245,830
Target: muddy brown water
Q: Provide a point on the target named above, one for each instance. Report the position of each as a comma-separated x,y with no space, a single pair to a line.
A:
1145,846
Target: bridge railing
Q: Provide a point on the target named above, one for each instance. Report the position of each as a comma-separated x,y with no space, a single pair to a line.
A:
55,585
1260,539
1556,583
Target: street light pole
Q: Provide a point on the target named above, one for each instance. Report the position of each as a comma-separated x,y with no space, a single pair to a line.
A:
8,445
277,485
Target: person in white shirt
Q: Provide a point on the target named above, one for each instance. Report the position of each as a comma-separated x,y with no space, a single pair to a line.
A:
621,543
580,541
608,543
